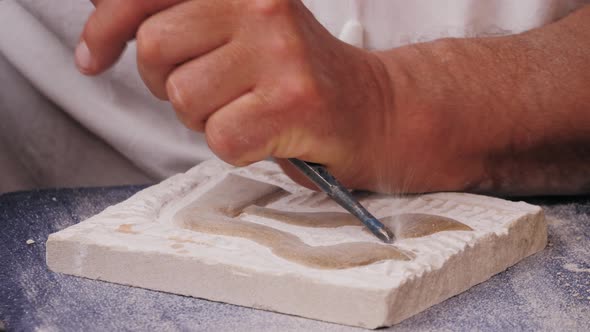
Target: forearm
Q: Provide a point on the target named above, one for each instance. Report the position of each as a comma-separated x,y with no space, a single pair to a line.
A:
514,112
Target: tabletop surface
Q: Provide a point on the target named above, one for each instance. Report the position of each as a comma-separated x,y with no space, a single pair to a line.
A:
548,291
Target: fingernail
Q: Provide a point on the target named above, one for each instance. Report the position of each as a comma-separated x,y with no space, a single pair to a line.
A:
174,96
83,57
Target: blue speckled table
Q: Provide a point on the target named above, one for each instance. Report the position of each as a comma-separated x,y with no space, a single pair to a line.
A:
549,291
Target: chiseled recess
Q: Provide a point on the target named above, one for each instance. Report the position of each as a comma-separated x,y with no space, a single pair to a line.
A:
217,212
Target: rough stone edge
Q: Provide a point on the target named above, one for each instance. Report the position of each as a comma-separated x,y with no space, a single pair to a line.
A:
526,236
190,277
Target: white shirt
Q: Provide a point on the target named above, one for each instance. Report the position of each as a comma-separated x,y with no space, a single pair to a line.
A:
393,23
37,39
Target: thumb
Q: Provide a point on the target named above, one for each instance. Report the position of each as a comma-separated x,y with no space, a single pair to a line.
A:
296,175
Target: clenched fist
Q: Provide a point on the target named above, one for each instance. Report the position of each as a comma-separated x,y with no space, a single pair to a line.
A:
260,77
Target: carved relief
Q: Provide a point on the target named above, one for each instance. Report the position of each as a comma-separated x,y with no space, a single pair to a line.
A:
250,236
218,212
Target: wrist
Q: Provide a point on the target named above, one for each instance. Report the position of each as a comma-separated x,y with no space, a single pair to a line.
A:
438,126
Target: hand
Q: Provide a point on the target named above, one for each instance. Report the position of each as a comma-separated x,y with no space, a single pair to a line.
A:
260,77
263,78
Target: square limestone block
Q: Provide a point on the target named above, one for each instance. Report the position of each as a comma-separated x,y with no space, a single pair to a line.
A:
251,237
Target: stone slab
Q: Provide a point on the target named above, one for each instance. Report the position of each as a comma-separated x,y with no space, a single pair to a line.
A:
252,237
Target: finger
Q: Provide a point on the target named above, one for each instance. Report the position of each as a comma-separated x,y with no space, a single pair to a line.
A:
178,35
296,175
244,131
253,128
185,31
155,78
109,28
204,85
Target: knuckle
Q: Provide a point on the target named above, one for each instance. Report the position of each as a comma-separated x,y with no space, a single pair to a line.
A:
269,7
301,90
286,47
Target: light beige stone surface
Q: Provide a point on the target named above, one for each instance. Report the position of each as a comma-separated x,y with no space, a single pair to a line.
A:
252,237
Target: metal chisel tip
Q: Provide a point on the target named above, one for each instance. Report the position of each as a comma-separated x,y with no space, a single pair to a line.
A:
385,235
319,175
